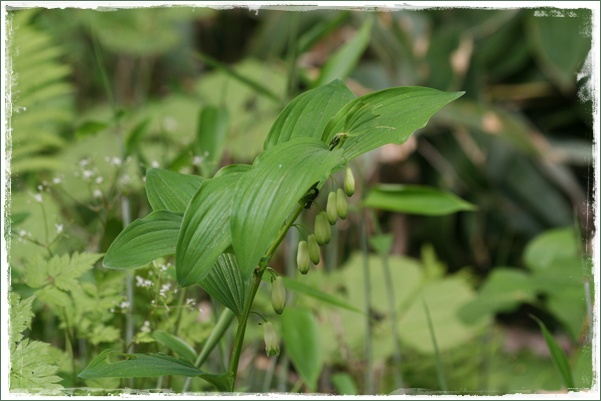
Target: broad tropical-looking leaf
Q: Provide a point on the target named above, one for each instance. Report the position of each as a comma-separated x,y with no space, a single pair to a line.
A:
386,116
168,190
224,283
308,114
144,240
175,344
205,231
270,189
414,199
137,365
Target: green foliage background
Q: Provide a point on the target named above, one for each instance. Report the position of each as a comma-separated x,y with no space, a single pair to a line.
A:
98,97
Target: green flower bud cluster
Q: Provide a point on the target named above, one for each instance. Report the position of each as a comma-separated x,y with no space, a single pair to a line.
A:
336,207
272,344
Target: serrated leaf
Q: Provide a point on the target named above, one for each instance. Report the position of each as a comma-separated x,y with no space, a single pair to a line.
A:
269,191
167,190
137,365
21,314
225,284
66,270
308,114
33,369
175,344
301,338
343,61
205,231
414,199
559,357
297,286
387,116
144,240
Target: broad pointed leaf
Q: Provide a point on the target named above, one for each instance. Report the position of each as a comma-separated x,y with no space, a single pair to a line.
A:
168,190
415,199
205,231
137,365
269,191
144,240
175,344
301,337
225,284
387,116
308,114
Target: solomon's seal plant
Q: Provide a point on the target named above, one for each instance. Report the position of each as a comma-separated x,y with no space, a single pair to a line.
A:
224,230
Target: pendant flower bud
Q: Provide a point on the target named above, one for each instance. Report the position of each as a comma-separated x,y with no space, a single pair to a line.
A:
331,208
323,231
341,204
349,182
278,295
302,257
314,252
272,344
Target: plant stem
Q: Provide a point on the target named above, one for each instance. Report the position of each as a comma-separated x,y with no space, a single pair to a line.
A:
255,282
367,286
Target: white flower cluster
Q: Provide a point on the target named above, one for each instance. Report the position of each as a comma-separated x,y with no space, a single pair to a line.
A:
142,282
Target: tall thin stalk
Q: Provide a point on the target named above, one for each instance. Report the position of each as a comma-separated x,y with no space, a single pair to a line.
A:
369,386
255,282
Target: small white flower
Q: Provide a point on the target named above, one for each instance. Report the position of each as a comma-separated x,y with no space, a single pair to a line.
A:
97,193
145,327
84,162
40,188
124,305
155,164
87,174
59,228
99,180
23,233
190,301
38,197
196,160
115,161
112,310
56,180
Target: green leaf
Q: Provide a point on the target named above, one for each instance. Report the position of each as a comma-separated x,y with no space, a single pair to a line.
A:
414,199
320,30
175,344
552,245
167,190
308,114
382,244
211,134
225,284
90,128
269,191
18,218
251,83
137,365
560,43
387,116
301,338
504,290
61,272
21,314
297,286
205,231
144,240
33,369
442,381
135,137
343,61
559,357
344,384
